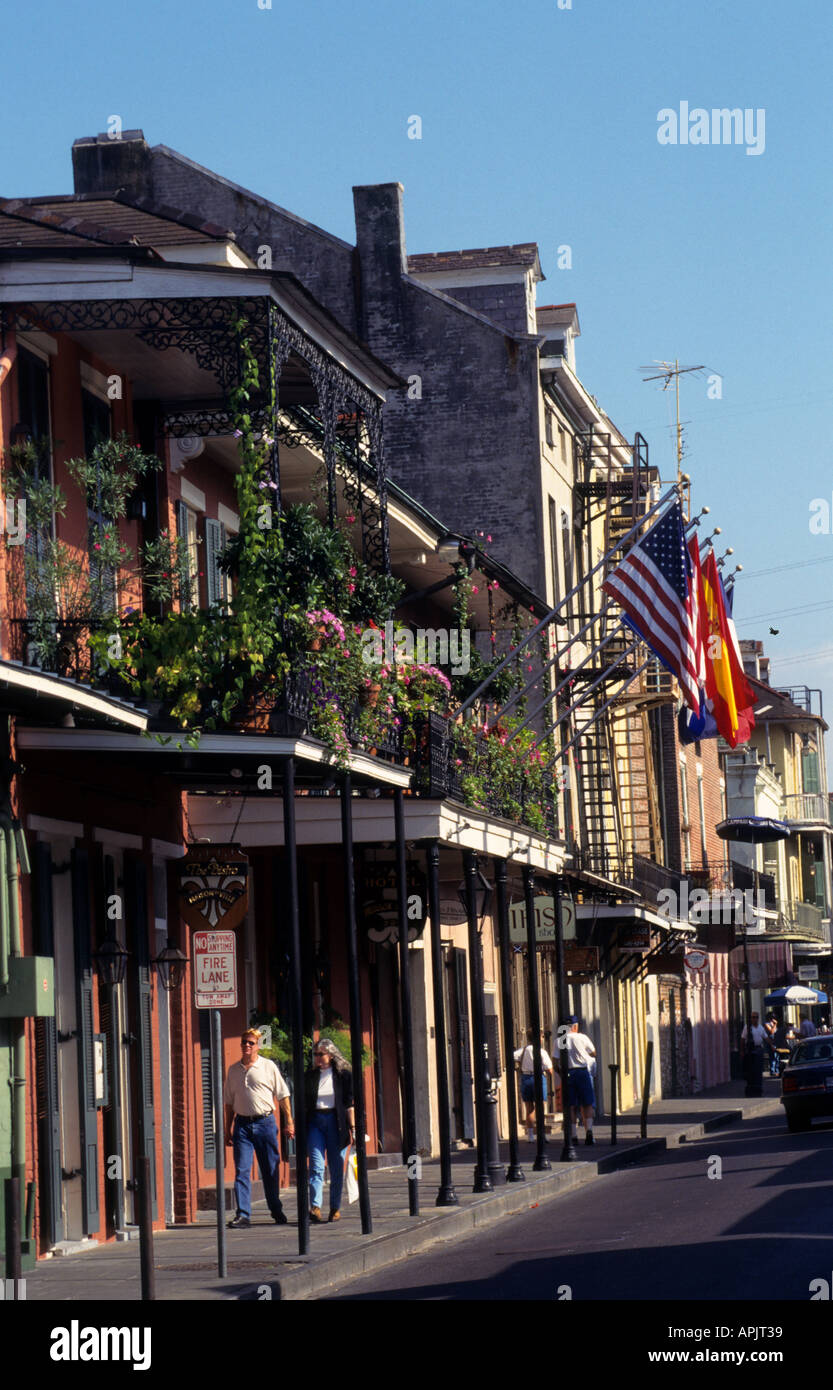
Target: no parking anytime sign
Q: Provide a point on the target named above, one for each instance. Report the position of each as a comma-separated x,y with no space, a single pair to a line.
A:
215,969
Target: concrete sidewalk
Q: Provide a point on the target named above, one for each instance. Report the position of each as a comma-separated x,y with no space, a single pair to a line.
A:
263,1261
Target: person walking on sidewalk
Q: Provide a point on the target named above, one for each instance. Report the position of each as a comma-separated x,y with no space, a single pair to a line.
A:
753,1041
525,1055
771,1026
331,1125
253,1087
579,1055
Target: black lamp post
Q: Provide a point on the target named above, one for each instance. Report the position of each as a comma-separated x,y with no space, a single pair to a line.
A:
475,892
111,961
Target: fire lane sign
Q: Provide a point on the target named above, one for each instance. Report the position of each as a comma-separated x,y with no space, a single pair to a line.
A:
214,954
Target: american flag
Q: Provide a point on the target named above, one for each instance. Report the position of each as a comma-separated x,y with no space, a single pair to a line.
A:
654,587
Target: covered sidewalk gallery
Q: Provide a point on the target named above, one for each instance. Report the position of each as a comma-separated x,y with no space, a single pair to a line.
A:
347,867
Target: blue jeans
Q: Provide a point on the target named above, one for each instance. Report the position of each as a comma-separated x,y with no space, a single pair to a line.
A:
322,1138
256,1136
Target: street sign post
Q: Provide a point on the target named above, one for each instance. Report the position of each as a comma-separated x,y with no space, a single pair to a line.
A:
214,954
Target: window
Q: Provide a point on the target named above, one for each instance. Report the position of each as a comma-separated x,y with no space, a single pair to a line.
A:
33,415
567,549
548,427
33,396
186,530
97,426
686,828
702,808
556,592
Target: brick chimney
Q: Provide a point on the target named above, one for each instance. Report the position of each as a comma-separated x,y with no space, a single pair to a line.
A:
101,164
380,242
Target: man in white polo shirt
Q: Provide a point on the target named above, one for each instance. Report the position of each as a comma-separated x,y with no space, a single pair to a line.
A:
253,1086
579,1055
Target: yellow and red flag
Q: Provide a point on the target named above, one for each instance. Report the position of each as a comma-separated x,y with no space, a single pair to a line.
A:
727,690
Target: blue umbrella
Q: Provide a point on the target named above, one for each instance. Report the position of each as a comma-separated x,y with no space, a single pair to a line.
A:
796,994
753,830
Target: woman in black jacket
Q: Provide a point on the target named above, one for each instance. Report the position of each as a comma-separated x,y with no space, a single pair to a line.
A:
330,1123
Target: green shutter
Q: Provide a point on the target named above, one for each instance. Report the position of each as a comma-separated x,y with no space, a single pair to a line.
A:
215,542
810,772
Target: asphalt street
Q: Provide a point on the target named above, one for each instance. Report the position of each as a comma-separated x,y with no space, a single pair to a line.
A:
760,1228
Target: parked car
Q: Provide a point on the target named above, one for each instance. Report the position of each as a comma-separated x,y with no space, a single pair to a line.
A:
807,1082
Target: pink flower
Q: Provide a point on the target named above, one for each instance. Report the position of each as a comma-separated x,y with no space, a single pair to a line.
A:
351,588
96,546
489,539
349,517
475,589
352,571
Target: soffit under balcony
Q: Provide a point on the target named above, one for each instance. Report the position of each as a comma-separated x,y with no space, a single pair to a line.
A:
222,765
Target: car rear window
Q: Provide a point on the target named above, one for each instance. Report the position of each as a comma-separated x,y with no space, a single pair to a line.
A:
813,1052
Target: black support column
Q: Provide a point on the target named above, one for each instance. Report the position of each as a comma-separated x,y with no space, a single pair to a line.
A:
291,852
354,990
516,1172
541,1163
568,1153
446,1197
482,1181
405,994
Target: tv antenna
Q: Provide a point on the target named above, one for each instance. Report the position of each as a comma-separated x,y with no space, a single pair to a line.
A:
672,371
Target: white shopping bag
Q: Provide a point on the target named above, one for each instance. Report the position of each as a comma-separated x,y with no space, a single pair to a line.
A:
351,1176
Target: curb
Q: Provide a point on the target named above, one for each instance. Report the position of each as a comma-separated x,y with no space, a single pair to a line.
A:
309,1277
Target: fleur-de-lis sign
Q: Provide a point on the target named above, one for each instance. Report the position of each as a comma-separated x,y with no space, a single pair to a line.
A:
213,886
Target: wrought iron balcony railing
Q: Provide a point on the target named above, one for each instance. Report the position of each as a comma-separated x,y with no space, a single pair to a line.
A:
446,766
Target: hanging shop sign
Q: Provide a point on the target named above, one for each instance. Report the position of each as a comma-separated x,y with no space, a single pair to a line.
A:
213,886
544,921
378,902
666,963
635,939
214,954
696,960
583,960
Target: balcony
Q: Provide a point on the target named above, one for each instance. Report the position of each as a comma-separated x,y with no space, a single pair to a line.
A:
807,919
482,773
808,808
745,878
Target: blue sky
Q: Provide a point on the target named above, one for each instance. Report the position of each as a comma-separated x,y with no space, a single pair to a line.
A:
538,124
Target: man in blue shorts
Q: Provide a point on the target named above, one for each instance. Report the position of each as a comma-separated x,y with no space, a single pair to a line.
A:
579,1055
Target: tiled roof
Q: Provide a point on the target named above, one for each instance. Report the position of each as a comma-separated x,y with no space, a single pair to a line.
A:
480,257
107,221
21,232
